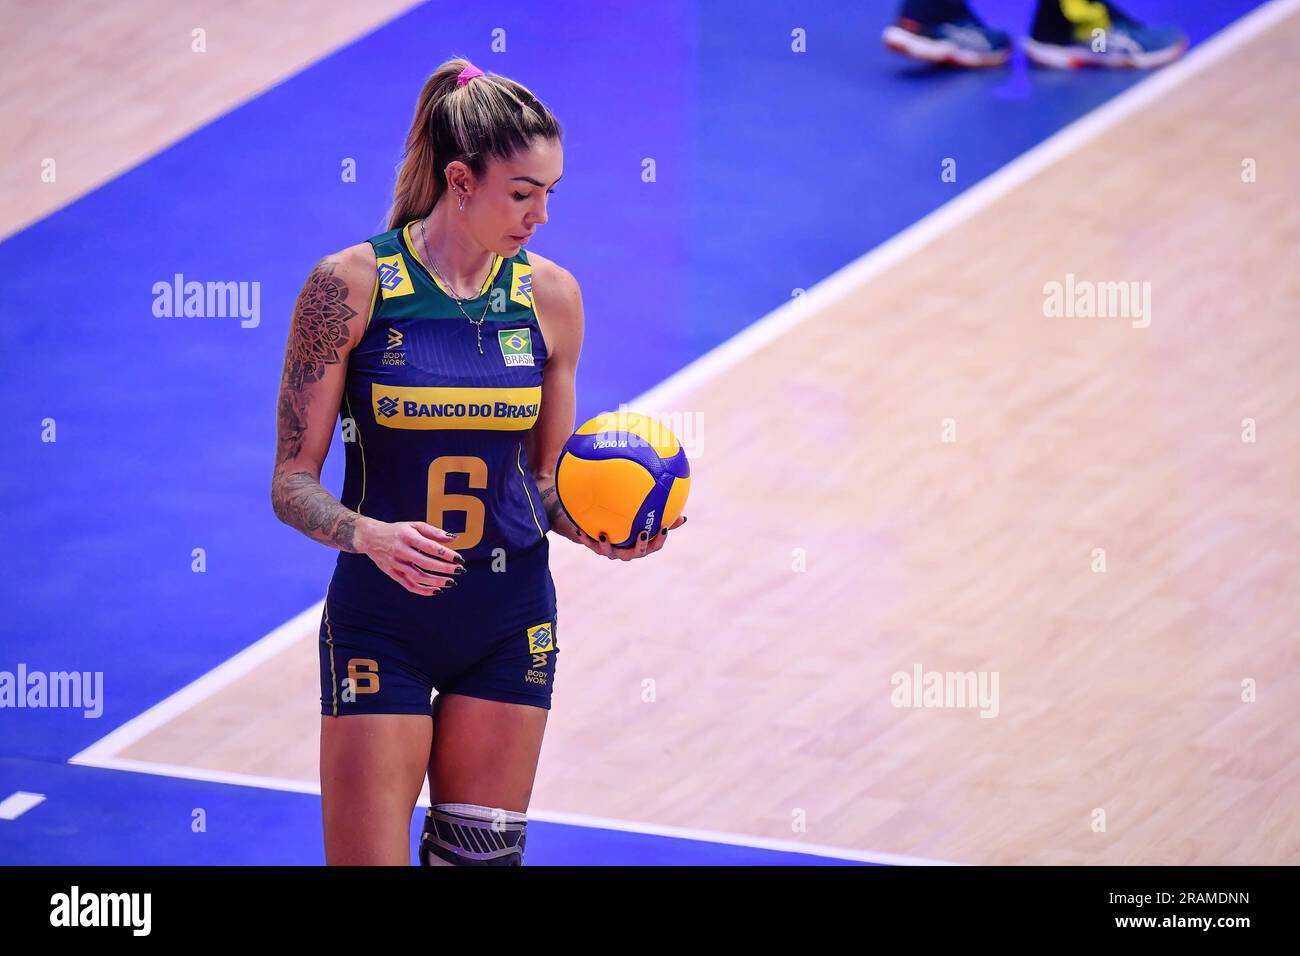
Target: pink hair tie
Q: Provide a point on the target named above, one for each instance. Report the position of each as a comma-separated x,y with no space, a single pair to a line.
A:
468,74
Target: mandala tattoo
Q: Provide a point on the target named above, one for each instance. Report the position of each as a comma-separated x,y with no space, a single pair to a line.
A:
320,326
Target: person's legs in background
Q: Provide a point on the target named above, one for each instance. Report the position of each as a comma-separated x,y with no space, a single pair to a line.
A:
946,31
1063,34
1073,33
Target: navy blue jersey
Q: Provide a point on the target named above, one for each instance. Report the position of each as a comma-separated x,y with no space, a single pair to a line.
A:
440,425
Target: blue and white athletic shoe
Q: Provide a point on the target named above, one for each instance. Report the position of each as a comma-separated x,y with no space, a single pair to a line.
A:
959,39
1075,33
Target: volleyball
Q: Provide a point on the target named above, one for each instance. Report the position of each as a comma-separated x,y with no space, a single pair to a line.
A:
622,473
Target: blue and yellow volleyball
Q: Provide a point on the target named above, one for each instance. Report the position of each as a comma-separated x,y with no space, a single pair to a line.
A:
622,473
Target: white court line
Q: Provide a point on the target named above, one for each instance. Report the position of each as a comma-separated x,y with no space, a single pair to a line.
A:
545,816
200,690
852,277
204,774
103,754
19,802
734,839
867,267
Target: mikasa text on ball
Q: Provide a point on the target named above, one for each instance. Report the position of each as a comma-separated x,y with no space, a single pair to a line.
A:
622,473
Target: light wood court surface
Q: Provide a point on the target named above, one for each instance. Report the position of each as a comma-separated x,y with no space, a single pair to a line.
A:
1119,691
99,87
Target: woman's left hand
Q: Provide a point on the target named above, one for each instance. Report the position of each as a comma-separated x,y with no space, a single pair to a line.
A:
638,549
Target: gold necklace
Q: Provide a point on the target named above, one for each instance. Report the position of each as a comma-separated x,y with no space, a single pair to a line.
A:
478,326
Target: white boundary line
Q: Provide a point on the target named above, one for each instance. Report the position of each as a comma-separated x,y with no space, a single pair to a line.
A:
734,839
19,802
866,268
546,816
199,690
104,754
204,774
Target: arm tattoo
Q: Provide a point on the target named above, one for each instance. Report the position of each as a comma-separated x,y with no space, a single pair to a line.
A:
300,501
318,332
551,502
320,327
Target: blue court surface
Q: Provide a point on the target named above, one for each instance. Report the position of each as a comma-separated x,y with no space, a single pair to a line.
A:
773,169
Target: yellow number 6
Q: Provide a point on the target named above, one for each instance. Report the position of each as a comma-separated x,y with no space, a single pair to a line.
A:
440,502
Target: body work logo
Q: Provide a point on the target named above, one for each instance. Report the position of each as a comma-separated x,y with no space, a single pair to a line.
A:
392,356
516,346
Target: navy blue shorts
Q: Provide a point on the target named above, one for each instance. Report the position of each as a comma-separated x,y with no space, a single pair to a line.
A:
384,650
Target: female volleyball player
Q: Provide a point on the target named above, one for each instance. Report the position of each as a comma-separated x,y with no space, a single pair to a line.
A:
450,354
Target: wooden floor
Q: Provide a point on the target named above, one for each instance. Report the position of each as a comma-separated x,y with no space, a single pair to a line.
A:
100,87
1120,692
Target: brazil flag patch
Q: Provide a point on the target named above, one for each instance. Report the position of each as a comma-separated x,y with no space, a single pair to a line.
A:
516,346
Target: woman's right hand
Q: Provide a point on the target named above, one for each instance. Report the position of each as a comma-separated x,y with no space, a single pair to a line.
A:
412,553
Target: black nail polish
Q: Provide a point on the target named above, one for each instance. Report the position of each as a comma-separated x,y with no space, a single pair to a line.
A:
602,537
459,570
451,583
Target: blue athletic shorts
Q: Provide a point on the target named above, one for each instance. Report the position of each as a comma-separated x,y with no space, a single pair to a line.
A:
384,650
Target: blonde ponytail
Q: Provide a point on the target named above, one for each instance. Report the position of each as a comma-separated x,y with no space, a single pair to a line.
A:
488,115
